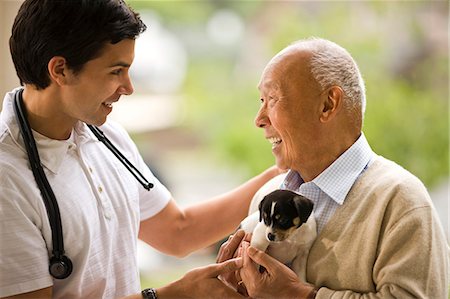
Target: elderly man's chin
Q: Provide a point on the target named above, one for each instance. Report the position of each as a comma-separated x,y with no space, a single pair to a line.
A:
281,163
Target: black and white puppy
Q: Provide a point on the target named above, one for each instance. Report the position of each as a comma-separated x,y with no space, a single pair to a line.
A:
286,228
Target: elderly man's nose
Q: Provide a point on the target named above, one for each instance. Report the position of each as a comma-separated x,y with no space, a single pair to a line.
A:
261,119
259,124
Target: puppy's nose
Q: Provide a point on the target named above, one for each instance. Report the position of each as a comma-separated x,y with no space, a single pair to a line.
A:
271,237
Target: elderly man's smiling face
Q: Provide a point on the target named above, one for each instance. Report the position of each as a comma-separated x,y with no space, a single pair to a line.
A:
290,109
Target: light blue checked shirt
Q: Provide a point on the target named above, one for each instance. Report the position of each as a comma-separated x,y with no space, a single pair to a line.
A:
330,188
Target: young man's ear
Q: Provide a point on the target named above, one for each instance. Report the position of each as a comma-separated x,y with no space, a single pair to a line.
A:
58,70
332,103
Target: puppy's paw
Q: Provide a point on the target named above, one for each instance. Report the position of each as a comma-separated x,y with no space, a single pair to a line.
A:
249,223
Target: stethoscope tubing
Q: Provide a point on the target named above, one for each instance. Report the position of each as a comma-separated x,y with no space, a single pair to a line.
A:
60,265
48,196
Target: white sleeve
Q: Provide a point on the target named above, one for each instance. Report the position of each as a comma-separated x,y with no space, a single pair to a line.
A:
23,252
153,201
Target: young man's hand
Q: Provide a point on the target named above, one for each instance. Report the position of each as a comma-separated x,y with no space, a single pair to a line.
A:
203,282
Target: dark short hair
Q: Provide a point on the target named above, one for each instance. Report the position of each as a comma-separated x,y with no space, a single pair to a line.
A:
77,30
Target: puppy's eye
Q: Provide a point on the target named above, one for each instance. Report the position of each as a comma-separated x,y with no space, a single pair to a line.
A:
285,222
265,215
277,216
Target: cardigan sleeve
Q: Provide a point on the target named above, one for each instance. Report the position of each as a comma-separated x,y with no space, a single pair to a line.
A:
411,261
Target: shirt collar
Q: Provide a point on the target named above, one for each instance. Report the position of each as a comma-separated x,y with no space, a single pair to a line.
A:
51,152
337,180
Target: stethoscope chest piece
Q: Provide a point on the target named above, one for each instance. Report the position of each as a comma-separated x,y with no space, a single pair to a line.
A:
60,265
60,268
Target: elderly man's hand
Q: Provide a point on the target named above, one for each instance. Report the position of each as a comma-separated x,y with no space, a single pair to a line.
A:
277,281
232,248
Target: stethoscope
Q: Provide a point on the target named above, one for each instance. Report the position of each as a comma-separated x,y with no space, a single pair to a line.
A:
60,265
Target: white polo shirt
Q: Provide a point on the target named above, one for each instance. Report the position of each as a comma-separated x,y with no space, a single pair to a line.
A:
101,206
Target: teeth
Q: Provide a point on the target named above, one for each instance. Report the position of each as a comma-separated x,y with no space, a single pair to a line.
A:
108,104
274,140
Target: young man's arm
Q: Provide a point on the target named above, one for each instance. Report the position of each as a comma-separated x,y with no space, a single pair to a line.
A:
179,231
39,294
200,283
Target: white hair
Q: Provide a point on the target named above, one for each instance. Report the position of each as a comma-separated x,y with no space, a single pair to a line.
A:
332,65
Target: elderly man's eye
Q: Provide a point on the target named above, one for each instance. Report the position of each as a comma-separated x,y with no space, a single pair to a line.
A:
272,100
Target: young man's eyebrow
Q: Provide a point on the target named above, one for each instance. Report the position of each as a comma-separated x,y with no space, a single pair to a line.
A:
120,63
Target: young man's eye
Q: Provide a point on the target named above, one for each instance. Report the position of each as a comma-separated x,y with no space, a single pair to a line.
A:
117,72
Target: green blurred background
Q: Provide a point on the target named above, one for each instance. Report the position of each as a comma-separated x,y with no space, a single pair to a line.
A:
196,71
400,46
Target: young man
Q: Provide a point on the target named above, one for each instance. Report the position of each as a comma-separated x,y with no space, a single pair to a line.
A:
73,58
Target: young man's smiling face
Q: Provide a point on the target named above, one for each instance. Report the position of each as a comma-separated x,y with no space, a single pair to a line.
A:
89,94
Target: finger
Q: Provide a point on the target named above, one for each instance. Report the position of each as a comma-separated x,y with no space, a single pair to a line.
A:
249,268
263,259
229,247
241,250
245,257
222,249
237,276
215,270
248,237
220,254
238,252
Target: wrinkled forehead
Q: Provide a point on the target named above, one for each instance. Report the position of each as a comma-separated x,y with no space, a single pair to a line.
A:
273,84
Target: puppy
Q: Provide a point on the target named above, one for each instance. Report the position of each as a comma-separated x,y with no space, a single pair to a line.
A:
286,228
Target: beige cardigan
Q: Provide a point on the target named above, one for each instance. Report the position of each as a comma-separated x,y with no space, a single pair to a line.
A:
385,241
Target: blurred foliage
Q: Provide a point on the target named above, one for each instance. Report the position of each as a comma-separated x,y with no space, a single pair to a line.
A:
396,44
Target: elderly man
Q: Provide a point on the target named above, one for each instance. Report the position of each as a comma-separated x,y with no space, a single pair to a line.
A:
378,233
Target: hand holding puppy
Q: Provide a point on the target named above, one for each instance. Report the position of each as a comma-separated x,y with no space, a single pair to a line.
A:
232,248
277,281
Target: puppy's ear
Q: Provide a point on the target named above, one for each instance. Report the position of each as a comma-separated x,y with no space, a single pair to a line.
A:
260,207
304,207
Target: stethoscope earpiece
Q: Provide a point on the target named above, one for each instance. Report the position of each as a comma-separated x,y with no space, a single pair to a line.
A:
133,170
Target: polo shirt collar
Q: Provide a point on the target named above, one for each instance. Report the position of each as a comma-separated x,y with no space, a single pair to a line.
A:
51,152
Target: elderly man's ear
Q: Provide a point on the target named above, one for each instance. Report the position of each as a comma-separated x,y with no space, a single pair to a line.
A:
332,103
